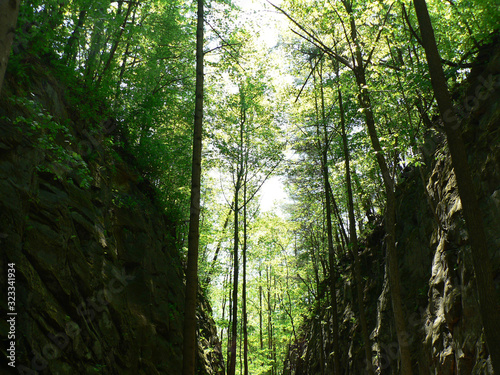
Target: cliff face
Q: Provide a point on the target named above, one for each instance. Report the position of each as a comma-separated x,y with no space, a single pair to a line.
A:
98,277
444,327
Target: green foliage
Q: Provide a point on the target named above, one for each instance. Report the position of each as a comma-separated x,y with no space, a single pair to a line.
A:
129,62
133,63
99,368
56,141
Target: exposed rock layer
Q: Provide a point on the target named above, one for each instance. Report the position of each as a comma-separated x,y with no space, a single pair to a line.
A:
99,279
438,285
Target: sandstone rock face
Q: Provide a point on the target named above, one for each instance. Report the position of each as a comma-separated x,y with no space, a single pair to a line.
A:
445,331
99,278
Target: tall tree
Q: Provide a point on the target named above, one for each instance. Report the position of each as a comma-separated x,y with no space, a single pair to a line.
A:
9,9
189,345
244,282
488,299
323,147
257,156
353,240
359,65
238,185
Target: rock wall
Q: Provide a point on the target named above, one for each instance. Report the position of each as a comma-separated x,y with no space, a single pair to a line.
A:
99,281
444,327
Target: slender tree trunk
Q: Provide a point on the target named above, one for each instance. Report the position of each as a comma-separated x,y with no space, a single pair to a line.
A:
354,243
189,346
343,233
315,264
241,349
329,231
92,62
244,284
230,315
124,64
275,364
488,298
239,177
390,223
234,329
321,343
208,278
70,50
116,43
290,312
390,215
261,336
224,301
269,321
9,10
364,198
122,72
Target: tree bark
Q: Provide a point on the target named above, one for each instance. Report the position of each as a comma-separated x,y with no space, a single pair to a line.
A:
234,325
239,176
261,339
331,251
208,277
189,329
269,318
244,284
116,42
9,10
70,48
354,243
488,299
390,214
92,63
390,224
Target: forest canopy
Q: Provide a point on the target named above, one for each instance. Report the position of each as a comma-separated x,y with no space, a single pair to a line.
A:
335,99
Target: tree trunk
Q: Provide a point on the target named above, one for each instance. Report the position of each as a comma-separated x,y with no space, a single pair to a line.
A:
208,277
117,42
244,284
269,318
92,62
9,10
70,50
390,223
234,326
261,339
189,345
354,244
224,301
390,215
240,170
331,251
230,316
488,299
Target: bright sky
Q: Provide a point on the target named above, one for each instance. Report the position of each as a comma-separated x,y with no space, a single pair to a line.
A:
267,17
268,23
272,194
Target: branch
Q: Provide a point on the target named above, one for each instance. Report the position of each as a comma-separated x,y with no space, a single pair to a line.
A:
309,76
224,42
345,31
262,182
378,36
311,291
412,30
322,46
443,61
223,45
